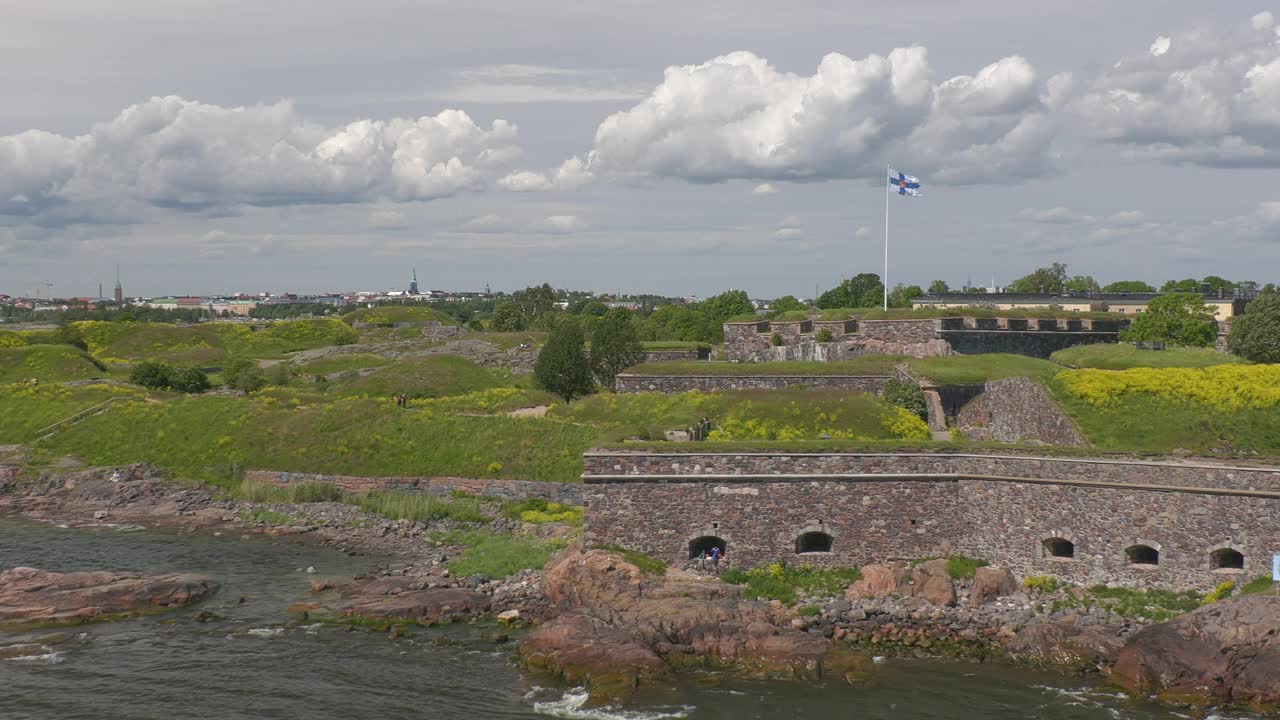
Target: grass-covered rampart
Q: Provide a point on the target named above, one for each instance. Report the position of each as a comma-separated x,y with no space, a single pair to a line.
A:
864,365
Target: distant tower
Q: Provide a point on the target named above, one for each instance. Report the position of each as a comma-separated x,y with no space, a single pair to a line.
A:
413,284
99,291
119,293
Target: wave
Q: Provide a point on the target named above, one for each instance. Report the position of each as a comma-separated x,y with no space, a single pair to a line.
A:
571,705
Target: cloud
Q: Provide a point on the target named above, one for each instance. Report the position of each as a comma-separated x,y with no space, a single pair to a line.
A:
571,174
516,83
862,232
1127,218
736,116
789,229
1051,216
1206,98
764,189
487,224
387,220
559,224
178,153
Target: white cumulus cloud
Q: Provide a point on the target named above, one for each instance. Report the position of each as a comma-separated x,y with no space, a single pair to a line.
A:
173,152
1208,98
764,189
737,116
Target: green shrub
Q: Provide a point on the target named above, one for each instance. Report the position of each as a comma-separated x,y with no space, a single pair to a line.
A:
163,376
1221,591
1041,584
395,505
778,581
824,336
498,556
647,564
808,611
775,340
907,396
243,374
962,567
1262,583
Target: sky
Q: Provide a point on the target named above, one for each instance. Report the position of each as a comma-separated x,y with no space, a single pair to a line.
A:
670,147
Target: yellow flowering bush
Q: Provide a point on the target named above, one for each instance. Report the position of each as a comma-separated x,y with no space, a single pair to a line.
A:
903,423
1223,387
8,338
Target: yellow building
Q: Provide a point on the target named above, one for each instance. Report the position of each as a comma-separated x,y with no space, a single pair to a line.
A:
1223,308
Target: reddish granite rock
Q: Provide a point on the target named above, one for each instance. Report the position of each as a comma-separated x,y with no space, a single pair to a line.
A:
425,606
990,583
930,582
878,581
1226,652
620,626
30,596
1066,645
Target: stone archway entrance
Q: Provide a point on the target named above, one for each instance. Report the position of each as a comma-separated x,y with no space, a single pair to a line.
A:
703,544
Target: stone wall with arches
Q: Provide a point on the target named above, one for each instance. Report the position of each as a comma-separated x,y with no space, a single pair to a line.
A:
1172,524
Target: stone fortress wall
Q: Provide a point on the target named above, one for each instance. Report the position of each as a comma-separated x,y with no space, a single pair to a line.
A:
1170,524
926,337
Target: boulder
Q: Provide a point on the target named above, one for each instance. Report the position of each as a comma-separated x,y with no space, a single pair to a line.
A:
1226,652
990,583
931,583
877,581
618,626
426,606
1066,645
30,596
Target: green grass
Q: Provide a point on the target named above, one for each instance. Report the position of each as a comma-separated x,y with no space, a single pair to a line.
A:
982,312
864,365
793,413
978,369
646,563
499,556
263,516
427,377
674,345
208,343
26,409
203,436
395,505
1155,605
1123,356
787,583
341,363
398,314
508,340
47,363
1260,584
541,512
1146,423
962,567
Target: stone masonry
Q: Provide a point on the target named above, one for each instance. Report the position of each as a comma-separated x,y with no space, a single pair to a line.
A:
1007,509
629,383
1017,410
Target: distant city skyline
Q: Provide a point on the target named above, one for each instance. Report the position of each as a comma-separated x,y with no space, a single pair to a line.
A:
659,147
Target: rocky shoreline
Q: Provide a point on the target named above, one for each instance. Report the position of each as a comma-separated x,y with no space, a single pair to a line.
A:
601,620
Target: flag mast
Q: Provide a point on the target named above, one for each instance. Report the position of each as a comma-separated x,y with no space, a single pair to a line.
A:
885,283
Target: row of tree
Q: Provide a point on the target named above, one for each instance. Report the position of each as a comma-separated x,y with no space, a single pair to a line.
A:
568,368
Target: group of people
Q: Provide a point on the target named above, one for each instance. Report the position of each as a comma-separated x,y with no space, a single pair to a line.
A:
710,559
402,400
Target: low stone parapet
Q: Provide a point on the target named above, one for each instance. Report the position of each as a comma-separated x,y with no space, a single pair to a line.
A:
629,383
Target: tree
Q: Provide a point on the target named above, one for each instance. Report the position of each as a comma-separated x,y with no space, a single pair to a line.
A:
906,395
938,287
901,295
589,307
787,303
1083,284
1050,280
727,304
862,290
1128,286
614,346
1190,285
1255,335
1214,284
189,380
562,366
278,375
243,374
1177,318
151,374
506,318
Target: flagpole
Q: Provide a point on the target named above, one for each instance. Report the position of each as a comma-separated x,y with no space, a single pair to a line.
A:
886,240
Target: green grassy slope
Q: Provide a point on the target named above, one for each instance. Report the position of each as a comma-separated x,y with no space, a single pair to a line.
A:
47,363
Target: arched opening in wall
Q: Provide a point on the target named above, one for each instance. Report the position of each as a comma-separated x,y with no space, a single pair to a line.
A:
1142,555
1059,548
702,545
813,542
1226,559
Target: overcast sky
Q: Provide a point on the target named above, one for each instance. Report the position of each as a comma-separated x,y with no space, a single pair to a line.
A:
673,147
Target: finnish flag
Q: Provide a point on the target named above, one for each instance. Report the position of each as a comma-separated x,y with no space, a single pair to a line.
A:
903,184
